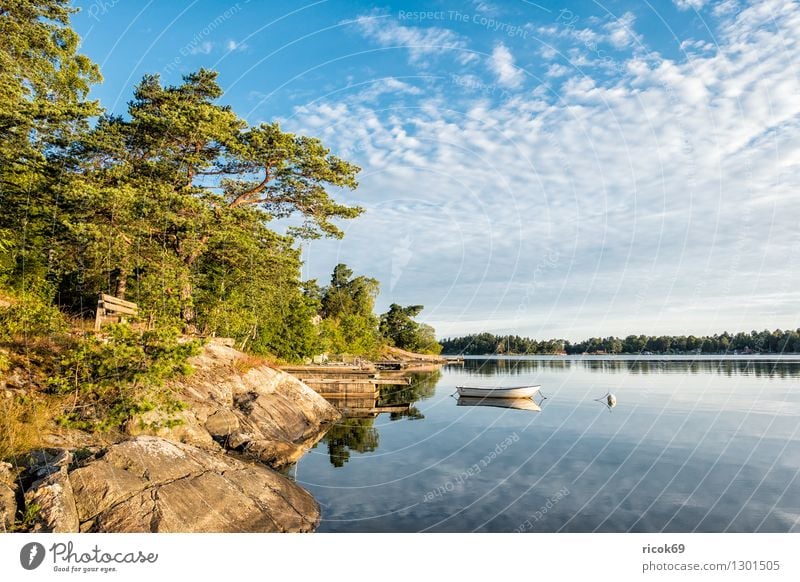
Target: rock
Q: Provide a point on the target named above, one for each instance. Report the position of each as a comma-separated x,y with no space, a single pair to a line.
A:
222,423
17,378
284,416
50,501
191,430
149,484
275,416
238,440
8,497
44,462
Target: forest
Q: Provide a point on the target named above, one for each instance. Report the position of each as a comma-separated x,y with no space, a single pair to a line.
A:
754,342
171,205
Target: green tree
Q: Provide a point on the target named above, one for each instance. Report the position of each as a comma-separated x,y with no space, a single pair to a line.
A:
44,84
349,325
201,178
171,205
397,326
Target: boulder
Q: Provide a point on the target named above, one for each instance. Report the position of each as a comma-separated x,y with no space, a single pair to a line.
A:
222,423
149,484
49,500
263,412
8,497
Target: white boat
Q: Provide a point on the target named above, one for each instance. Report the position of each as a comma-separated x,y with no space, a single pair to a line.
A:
513,403
498,392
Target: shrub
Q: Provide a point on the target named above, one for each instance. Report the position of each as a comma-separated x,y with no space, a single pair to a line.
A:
31,316
119,376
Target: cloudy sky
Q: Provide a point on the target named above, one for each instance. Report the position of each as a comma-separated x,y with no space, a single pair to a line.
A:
549,169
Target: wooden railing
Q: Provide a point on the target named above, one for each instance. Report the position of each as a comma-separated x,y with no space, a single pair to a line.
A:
113,309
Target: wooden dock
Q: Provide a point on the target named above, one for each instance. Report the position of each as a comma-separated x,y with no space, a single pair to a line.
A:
344,381
363,407
355,389
390,365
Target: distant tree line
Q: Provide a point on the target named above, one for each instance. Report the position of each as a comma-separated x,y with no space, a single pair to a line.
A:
757,342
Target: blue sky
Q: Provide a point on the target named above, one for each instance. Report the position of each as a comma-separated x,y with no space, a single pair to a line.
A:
549,169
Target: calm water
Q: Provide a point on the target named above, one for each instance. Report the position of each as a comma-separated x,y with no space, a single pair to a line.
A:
709,446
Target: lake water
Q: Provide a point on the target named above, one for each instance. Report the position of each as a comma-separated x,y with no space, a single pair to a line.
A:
707,445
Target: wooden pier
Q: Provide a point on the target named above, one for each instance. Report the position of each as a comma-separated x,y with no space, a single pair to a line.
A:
391,365
344,381
355,389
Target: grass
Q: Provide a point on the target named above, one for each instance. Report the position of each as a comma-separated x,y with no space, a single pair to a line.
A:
247,362
23,421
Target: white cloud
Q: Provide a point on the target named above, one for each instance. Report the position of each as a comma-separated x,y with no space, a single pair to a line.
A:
203,48
690,4
422,43
556,70
502,65
620,31
725,7
694,46
232,45
389,85
483,6
663,200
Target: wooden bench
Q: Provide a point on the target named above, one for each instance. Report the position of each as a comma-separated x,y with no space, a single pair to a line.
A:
113,309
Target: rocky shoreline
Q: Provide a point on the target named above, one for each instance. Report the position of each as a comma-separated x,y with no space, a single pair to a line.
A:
214,472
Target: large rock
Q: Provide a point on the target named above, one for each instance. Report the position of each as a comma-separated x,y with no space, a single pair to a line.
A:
8,497
262,412
149,484
50,498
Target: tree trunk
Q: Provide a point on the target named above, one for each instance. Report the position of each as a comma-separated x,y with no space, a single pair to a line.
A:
122,284
187,307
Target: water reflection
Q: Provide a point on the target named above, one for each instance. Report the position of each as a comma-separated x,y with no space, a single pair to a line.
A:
731,366
687,448
609,400
351,434
422,386
512,403
355,432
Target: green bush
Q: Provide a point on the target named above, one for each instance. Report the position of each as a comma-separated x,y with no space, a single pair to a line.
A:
119,376
31,315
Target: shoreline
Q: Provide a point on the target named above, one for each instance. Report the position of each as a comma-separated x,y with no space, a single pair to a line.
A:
239,427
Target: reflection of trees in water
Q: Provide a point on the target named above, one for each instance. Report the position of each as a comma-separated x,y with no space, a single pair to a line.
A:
351,434
358,433
423,385
511,367
727,367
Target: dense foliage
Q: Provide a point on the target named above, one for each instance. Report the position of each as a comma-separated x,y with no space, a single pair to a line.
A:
403,332
348,323
119,377
763,342
170,206
87,381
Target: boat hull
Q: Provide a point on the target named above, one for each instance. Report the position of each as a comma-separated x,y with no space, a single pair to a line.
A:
513,392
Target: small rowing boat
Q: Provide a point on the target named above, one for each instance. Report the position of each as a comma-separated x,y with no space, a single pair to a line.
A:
498,392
